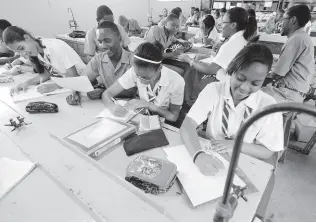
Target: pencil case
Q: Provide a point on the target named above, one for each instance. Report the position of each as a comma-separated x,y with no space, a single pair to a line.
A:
146,141
152,175
178,47
41,107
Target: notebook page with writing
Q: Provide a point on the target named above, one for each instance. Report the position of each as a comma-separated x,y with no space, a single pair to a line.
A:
199,188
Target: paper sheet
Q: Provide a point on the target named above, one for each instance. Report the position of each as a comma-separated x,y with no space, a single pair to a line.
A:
81,84
199,188
96,133
32,93
105,113
12,172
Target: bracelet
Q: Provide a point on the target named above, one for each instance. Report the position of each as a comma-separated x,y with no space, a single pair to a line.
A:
196,155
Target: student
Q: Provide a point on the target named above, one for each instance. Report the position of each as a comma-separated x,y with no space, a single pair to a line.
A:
295,64
274,23
160,89
194,19
165,35
164,14
6,55
48,56
207,33
92,46
105,68
231,102
238,28
176,11
131,26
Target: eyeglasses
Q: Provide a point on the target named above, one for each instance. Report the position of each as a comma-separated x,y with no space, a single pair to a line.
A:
147,78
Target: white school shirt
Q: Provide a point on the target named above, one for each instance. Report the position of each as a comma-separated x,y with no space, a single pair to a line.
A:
267,131
59,56
230,49
213,35
168,90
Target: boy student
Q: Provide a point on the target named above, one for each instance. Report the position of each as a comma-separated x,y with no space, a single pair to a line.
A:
176,11
6,55
296,61
92,46
160,89
108,66
130,25
48,57
165,35
227,105
194,19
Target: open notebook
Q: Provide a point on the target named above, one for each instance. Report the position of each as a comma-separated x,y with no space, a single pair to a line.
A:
198,187
12,172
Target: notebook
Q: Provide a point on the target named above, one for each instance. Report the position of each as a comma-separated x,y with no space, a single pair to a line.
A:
12,172
198,187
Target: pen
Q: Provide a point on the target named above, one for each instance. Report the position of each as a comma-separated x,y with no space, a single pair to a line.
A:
140,110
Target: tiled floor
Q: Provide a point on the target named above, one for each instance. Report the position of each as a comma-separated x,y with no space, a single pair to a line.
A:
294,195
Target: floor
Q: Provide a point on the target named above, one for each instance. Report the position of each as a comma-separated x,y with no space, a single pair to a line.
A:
294,194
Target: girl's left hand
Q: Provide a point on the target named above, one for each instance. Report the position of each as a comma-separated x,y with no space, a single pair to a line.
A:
203,29
222,146
184,58
45,88
137,103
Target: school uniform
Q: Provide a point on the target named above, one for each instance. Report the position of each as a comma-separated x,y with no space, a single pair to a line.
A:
224,119
168,90
100,67
295,66
59,56
92,45
156,33
213,35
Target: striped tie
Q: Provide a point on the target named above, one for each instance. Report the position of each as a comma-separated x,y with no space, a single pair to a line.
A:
247,113
225,118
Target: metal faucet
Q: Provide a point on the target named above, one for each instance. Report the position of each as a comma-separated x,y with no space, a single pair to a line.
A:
226,207
73,22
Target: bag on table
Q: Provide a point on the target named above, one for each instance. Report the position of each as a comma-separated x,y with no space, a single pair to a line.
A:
41,107
151,175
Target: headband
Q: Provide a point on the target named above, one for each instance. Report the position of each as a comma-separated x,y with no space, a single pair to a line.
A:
149,61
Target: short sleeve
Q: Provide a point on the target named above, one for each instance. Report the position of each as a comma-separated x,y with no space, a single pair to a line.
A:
289,55
204,105
213,35
89,43
91,70
271,133
125,38
152,35
128,80
177,94
69,57
228,51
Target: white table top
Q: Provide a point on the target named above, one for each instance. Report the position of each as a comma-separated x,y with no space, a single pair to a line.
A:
99,186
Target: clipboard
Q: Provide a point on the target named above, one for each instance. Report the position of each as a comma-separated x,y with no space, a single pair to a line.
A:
96,138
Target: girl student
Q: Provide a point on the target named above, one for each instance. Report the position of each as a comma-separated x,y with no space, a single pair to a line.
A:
238,28
160,89
48,56
232,101
207,34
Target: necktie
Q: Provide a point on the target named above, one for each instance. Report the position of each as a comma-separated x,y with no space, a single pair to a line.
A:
225,118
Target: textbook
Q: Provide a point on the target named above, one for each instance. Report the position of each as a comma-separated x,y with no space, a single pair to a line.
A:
96,138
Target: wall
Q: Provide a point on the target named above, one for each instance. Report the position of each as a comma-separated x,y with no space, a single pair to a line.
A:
50,17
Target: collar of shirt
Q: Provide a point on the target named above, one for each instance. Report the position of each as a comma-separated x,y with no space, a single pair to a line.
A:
251,101
125,59
238,34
